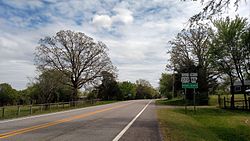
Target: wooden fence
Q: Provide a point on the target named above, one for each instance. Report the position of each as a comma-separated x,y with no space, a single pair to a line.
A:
25,110
238,104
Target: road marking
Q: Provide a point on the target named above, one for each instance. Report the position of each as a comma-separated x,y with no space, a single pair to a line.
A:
28,129
130,123
43,115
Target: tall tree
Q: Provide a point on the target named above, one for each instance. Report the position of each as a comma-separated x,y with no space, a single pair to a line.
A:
76,55
229,51
189,53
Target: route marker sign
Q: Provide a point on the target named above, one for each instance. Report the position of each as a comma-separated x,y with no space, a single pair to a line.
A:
189,80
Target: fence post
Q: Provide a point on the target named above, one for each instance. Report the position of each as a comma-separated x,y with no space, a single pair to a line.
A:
30,109
225,102
18,110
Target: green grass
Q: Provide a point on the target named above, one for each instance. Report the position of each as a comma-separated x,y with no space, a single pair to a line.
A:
174,101
11,111
206,125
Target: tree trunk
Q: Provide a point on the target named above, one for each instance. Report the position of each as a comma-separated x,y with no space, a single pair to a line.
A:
75,91
74,95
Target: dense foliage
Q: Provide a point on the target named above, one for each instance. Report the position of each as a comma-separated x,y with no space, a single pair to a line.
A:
49,88
112,90
166,85
8,95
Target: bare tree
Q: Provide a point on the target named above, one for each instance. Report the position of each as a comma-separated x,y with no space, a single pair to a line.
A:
76,55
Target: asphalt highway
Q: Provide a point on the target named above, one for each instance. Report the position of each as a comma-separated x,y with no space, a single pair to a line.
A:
133,120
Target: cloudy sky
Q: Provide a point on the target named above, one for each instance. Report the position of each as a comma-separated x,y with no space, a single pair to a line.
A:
136,31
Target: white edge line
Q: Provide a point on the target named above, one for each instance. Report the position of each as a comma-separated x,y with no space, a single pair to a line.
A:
130,123
43,115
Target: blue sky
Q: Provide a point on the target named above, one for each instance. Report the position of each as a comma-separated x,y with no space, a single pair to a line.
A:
136,32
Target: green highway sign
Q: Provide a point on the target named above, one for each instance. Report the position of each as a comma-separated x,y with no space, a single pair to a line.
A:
190,85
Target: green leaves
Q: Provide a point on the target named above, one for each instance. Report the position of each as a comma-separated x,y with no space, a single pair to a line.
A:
229,51
8,95
166,85
128,89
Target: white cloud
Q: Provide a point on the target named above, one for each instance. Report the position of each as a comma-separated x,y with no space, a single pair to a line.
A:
102,21
123,15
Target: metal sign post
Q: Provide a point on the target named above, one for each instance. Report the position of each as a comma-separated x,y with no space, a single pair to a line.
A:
185,100
193,78
194,102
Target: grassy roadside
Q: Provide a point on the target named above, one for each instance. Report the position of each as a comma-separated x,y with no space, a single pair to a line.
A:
174,102
11,111
206,125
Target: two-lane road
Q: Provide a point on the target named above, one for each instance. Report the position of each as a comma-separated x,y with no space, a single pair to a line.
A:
128,120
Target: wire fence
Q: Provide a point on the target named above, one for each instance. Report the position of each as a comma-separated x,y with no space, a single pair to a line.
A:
26,110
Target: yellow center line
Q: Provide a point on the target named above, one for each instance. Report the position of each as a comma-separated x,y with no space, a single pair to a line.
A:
32,128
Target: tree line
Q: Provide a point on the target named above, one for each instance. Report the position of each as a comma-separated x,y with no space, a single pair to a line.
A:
47,89
68,62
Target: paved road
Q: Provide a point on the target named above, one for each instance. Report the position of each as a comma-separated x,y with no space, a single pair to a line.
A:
125,121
